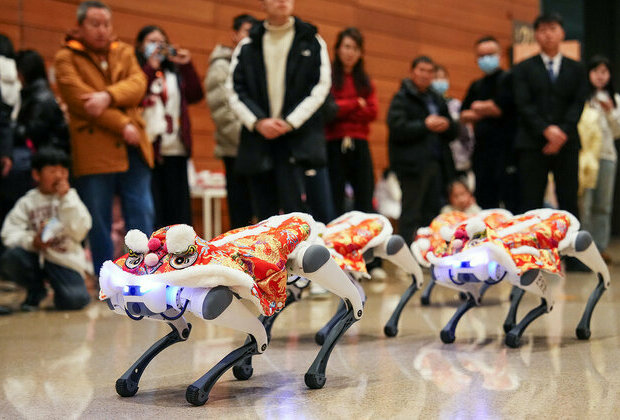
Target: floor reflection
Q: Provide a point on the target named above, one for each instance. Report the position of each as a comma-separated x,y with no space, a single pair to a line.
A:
65,364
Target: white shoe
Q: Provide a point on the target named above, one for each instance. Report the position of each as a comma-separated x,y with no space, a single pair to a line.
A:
378,274
317,290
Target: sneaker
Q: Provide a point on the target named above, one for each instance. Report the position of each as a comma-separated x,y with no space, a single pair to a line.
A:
33,298
317,290
378,274
5,311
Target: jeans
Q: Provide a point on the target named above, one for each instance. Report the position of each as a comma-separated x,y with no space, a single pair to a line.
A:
22,267
318,195
597,205
97,192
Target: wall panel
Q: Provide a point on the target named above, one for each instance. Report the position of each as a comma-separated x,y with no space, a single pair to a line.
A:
396,31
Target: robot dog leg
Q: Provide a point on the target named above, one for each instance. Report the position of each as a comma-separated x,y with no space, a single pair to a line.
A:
314,262
220,306
537,281
582,247
511,318
395,250
127,384
243,370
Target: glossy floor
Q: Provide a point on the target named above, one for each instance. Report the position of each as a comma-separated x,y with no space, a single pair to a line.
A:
64,364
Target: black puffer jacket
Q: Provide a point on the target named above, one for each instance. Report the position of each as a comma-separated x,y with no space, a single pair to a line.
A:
40,119
308,76
411,145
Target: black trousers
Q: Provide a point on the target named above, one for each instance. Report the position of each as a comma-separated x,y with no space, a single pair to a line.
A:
170,189
22,267
534,168
421,200
278,189
318,195
240,206
354,165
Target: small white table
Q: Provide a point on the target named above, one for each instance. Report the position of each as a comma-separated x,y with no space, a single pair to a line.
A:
212,223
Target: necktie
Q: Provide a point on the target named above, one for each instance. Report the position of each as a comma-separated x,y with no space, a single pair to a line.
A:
550,70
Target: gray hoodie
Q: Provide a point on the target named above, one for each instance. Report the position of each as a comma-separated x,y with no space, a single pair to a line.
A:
227,125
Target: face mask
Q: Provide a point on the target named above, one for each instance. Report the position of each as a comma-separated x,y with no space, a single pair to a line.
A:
150,48
440,85
488,63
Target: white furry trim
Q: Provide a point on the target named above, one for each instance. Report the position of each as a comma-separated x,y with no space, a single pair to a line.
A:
272,222
446,233
474,226
179,238
137,241
424,231
200,276
519,227
486,213
353,218
418,255
424,244
525,249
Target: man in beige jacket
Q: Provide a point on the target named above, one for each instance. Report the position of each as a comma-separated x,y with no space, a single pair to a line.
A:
102,84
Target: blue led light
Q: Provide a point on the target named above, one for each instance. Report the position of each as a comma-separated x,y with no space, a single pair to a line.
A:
493,269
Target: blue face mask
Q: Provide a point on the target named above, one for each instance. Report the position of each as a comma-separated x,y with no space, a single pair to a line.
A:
441,86
488,63
150,48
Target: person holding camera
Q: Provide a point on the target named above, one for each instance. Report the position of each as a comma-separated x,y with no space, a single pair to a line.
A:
172,84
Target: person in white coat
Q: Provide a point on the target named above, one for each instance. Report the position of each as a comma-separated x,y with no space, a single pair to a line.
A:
43,235
597,200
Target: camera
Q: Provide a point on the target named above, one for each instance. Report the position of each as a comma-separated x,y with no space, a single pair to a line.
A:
169,51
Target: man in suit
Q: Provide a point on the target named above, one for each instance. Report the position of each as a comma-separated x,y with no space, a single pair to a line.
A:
550,92
420,130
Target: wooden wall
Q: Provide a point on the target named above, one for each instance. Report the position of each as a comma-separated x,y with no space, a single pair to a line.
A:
395,31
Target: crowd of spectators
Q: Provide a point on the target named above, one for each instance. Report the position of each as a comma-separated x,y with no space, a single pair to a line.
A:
292,129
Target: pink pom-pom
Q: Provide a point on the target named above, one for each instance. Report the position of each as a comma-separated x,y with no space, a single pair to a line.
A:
151,259
154,244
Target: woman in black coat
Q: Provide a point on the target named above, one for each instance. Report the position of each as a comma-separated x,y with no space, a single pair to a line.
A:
40,121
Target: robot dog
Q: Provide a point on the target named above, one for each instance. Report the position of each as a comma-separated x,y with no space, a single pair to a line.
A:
176,271
435,237
353,239
524,250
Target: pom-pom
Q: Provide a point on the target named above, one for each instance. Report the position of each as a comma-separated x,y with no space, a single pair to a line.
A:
154,244
457,244
423,244
475,226
446,233
151,259
424,231
137,241
461,233
179,238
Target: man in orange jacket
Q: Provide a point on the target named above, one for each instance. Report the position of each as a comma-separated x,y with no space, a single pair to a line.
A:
102,84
